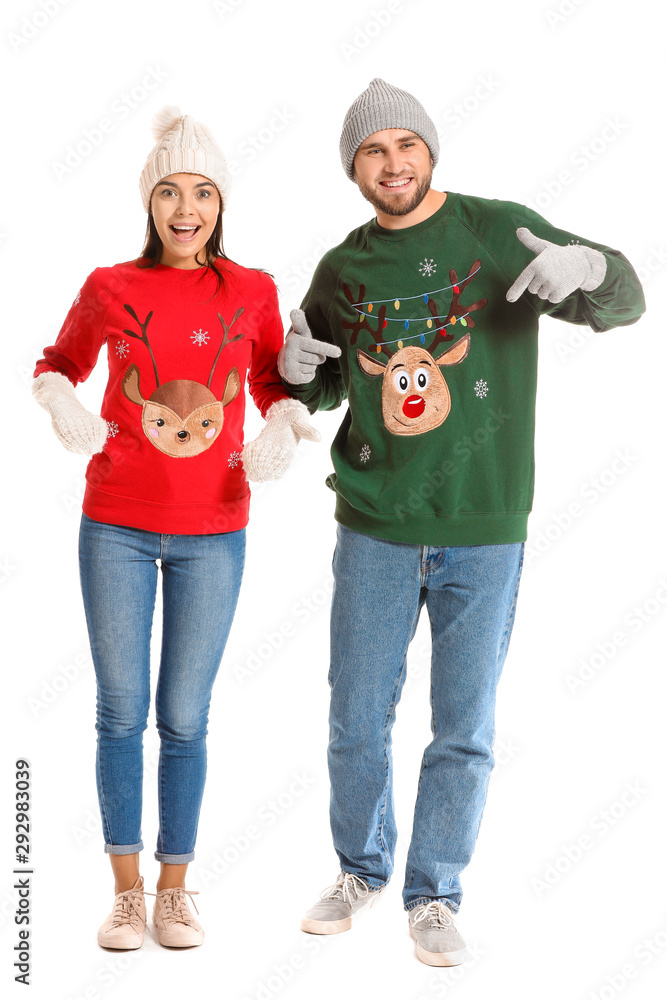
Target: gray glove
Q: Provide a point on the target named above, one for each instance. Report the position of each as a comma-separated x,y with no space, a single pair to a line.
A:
300,354
558,271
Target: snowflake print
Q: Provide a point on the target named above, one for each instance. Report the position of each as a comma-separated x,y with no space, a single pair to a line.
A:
122,349
427,267
234,459
113,429
77,299
365,453
199,338
481,388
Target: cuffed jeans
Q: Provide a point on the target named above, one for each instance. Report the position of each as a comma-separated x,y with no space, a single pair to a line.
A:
380,588
201,577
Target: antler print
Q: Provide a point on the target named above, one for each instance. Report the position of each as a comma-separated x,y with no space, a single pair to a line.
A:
144,336
362,322
225,340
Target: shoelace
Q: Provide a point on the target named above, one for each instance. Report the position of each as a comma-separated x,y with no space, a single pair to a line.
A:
344,886
127,907
175,903
436,912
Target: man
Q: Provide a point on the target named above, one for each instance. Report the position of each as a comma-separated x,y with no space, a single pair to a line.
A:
426,320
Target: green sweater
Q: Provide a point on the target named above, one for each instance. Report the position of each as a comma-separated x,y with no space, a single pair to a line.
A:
440,370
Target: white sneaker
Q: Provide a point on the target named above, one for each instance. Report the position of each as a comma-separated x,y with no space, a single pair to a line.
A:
338,904
433,928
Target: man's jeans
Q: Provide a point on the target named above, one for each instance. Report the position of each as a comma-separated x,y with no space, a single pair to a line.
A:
201,577
379,590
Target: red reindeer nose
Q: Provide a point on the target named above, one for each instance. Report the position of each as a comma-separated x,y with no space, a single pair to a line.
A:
414,406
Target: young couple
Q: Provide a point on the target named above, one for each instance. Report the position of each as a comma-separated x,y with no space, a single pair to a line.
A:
425,319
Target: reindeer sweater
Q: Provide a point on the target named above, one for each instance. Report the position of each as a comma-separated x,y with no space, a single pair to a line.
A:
440,370
178,354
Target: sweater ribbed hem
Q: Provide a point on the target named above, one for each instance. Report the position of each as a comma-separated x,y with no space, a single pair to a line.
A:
498,528
168,519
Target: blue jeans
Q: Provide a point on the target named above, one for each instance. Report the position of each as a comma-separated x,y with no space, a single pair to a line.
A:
201,577
380,588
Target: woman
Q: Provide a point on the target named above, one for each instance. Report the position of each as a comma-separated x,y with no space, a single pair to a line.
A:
183,326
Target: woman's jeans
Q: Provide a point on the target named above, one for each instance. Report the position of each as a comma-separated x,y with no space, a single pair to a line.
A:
201,577
379,590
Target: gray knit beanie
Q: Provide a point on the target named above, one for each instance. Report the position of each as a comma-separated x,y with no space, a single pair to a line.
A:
383,106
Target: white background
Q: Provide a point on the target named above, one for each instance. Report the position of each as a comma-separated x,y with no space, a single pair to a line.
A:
536,91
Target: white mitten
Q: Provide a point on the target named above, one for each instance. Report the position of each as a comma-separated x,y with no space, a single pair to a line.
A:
557,271
78,430
269,455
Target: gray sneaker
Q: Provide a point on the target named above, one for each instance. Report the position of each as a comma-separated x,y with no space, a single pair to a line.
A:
434,930
338,904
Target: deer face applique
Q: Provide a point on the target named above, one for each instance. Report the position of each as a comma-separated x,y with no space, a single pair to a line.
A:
181,418
415,395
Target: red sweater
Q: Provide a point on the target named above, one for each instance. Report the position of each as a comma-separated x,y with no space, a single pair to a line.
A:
178,357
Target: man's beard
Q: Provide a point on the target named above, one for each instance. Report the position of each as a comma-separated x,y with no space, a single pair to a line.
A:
392,206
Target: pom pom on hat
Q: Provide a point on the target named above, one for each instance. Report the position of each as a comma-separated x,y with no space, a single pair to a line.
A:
165,120
182,146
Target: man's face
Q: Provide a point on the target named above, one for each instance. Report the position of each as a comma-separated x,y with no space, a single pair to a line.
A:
393,169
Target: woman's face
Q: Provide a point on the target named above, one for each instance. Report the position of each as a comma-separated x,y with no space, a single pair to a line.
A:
185,208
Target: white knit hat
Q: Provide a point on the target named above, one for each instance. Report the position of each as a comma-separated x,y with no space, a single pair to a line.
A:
183,146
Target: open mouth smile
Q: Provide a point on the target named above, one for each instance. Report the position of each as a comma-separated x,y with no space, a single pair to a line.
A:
184,234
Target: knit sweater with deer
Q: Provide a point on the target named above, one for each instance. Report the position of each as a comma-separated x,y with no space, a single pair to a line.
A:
179,352
440,370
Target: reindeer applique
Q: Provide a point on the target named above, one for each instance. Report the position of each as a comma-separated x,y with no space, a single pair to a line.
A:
181,418
415,395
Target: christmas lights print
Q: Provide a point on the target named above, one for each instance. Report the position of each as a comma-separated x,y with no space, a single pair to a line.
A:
413,317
